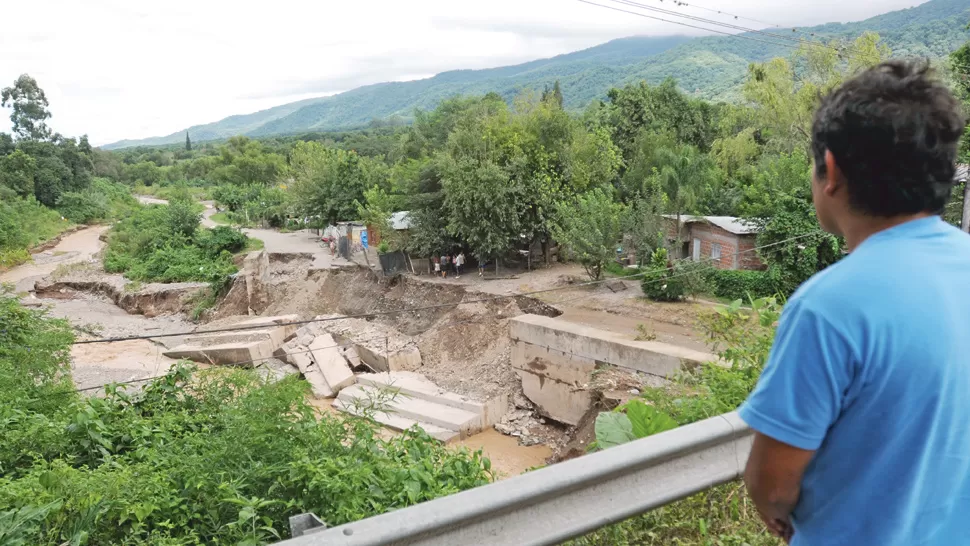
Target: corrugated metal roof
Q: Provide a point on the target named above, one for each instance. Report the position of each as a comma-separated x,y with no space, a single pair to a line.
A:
401,220
731,224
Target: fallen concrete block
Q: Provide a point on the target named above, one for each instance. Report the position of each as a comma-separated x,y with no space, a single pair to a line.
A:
288,331
326,355
274,336
396,422
415,385
274,370
371,400
555,399
405,359
241,354
350,353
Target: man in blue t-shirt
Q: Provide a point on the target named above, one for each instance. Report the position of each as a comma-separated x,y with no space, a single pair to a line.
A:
862,413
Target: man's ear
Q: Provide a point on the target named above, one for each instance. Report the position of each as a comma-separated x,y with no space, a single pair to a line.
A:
833,175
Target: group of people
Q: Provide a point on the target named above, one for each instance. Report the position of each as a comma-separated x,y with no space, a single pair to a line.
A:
454,262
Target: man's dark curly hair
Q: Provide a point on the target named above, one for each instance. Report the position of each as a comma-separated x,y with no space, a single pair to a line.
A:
894,132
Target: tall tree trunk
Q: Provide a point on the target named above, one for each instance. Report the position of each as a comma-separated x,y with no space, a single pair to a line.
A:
965,223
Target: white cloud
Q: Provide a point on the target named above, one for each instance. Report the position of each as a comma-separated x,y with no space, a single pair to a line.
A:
119,69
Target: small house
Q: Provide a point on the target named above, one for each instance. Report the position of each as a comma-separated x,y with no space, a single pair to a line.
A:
724,241
400,222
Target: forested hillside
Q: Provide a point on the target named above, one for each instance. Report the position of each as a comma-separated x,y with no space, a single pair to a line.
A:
711,68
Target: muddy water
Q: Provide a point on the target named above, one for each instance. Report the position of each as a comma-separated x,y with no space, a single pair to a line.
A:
507,456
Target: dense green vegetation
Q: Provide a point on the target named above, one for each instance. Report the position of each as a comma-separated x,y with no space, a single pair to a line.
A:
711,68
489,178
722,515
217,457
48,182
165,243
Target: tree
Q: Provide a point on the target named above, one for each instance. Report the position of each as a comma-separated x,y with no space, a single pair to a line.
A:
483,206
331,183
683,174
188,142
791,242
51,179
661,108
787,93
589,226
17,173
643,224
29,105
553,95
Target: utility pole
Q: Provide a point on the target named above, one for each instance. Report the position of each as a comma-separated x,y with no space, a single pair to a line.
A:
965,222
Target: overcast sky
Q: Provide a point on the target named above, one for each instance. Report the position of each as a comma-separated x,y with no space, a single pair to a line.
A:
119,69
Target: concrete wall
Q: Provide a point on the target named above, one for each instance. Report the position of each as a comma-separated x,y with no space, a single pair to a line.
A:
555,360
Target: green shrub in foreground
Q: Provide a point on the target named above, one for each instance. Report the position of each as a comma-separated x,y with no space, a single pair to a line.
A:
209,457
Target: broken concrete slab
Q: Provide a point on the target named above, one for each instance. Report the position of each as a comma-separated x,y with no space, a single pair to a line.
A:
650,357
422,411
352,356
326,355
274,370
416,386
240,354
556,400
407,358
396,422
555,360
289,330
274,336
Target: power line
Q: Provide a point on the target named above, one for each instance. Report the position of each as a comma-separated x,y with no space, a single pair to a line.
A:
740,36
793,39
722,12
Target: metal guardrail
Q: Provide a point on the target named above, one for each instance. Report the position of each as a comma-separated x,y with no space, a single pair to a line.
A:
566,500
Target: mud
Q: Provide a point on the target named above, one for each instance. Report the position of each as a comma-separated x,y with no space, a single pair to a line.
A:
150,300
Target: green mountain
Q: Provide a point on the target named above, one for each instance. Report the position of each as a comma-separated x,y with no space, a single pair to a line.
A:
709,67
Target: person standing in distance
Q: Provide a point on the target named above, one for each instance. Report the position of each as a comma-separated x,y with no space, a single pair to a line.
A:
862,413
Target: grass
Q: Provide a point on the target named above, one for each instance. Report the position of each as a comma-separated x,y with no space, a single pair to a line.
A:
254,244
221,218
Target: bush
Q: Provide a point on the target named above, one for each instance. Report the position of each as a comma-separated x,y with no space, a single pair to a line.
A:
24,223
83,207
741,284
162,243
664,280
214,241
208,457
104,200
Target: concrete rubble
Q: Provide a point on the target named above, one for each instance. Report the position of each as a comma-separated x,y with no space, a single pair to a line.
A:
380,349
248,347
400,400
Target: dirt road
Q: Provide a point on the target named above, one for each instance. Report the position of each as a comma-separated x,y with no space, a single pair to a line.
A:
80,246
98,363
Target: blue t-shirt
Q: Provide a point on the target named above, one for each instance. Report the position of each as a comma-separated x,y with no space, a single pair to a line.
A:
871,368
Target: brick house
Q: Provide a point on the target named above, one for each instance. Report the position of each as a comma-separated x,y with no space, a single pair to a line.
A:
725,241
